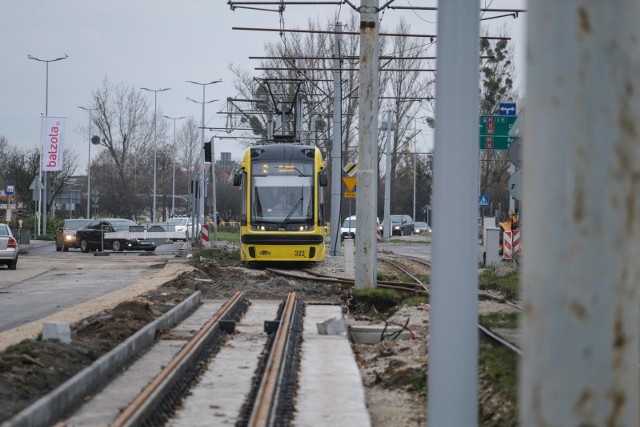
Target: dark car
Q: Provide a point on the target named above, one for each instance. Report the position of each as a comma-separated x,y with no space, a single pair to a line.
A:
117,234
401,225
66,234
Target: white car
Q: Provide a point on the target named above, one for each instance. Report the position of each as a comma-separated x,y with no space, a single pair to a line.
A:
348,229
182,224
8,247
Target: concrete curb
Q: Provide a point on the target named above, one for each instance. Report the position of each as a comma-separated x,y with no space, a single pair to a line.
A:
54,406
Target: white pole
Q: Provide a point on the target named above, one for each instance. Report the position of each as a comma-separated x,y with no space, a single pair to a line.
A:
453,344
581,162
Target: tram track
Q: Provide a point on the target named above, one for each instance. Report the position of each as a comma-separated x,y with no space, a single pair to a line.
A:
235,362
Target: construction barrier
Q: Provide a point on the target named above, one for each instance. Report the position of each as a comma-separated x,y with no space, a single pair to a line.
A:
510,244
204,233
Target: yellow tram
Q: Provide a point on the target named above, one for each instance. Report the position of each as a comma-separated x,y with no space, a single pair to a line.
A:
282,203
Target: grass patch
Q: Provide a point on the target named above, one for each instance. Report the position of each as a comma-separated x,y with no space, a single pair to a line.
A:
500,320
499,370
415,301
221,256
424,278
383,300
507,284
229,236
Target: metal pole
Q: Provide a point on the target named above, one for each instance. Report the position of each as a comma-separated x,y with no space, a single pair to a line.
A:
336,147
155,142
386,229
90,110
202,172
39,221
173,164
155,152
213,189
580,272
173,173
46,113
367,175
202,165
414,182
46,180
453,344
89,171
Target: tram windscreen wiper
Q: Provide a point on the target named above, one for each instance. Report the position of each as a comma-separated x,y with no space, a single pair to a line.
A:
293,209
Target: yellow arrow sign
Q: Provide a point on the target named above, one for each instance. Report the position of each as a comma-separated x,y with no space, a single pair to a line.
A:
349,182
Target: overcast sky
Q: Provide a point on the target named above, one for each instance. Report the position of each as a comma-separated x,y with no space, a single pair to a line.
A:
154,44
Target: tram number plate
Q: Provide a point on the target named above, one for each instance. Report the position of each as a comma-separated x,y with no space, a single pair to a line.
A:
300,253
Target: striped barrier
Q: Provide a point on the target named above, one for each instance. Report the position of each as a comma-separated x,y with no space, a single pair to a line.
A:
510,244
204,233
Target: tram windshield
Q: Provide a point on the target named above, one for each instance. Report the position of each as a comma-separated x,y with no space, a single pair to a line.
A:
282,193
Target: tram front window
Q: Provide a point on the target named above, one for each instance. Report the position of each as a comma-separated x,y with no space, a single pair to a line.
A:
278,199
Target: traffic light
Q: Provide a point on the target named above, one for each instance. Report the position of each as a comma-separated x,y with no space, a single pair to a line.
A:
207,151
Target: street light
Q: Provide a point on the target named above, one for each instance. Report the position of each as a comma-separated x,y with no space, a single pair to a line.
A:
90,110
155,143
202,175
46,113
173,185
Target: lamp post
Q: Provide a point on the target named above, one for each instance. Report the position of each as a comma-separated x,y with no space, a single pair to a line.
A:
173,164
46,113
155,143
202,174
90,110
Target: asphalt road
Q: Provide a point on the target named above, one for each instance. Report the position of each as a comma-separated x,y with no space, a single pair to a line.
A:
47,281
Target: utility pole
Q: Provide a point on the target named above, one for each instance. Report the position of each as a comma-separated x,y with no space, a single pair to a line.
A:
155,143
90,110
336,148
367,174
213,189
386,229
46,114
202,154
453,344
581,150
173,164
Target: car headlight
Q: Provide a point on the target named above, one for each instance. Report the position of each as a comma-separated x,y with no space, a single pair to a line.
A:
396,227
70,237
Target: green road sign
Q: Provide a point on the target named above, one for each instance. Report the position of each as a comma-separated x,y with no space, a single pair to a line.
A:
496,142
496,125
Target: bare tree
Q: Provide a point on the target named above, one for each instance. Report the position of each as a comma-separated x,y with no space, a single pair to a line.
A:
19,168
126,130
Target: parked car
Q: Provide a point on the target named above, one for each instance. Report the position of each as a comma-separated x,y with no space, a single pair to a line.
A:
66,234
182,224
92,236
401,225
348,229
8,247
422,228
